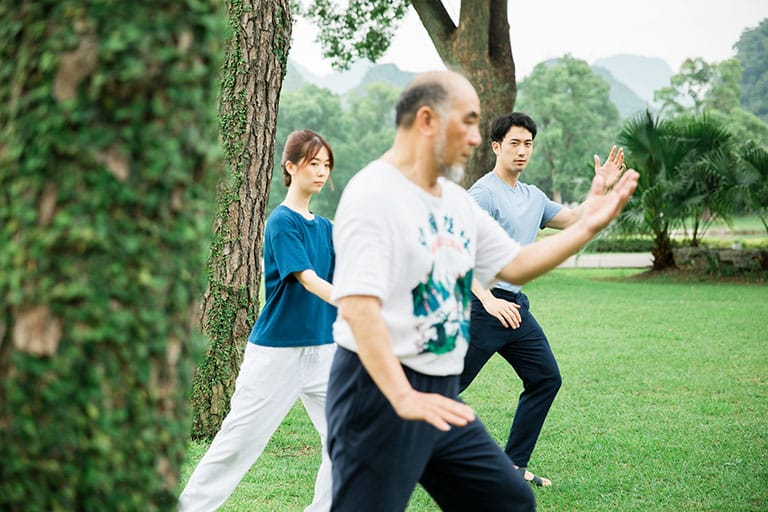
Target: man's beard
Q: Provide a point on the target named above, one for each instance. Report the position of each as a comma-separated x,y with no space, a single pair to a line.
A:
454,172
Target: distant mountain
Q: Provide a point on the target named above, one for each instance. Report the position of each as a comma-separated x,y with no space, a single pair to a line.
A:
632,79
338,82
626,100
388,73
643,75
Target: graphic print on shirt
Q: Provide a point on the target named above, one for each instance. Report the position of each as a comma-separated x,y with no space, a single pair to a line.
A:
442,300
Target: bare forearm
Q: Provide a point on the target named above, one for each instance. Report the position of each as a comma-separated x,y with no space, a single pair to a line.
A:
315,284
374,347
544,255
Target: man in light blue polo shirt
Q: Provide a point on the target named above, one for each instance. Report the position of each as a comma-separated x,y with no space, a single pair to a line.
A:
500,320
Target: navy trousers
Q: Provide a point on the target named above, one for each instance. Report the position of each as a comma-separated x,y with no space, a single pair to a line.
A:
378,457
527,350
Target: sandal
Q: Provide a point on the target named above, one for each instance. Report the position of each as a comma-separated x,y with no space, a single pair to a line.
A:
535,480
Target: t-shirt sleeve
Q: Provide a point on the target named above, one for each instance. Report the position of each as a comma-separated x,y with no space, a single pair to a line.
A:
551,208
494,247
362,238
289,249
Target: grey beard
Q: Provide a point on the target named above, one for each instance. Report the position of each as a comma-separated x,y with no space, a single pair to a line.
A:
455,173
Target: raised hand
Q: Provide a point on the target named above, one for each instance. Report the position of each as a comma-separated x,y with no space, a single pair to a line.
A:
602,206
612,169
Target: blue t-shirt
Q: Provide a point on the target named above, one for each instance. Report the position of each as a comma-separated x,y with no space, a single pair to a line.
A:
521,210
292,316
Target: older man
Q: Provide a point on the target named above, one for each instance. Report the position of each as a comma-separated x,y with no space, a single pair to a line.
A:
408,244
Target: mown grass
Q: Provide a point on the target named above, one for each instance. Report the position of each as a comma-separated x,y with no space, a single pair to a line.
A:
664,404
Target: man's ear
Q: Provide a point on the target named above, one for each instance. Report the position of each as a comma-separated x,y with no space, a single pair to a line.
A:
496,147
427,120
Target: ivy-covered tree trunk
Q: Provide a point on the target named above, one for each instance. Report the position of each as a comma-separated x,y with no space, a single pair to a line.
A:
256,63
480,48
107,145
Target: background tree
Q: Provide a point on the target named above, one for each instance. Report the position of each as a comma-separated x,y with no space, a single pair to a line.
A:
754,181
715,88
256,60
107,153
477,45
704,178
752,52
687,89
575,118
651,147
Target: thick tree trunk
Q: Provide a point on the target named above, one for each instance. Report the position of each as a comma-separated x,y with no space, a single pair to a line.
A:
252,78
480,48
107,131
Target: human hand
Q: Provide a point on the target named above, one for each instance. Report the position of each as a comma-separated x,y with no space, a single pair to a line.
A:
506,312
611,170
439,411
602,206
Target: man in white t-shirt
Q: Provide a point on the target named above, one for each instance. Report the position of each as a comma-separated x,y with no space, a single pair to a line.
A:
408,243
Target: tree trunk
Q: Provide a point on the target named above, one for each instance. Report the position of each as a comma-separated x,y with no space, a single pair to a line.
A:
480,48
663,258
107,131
252,78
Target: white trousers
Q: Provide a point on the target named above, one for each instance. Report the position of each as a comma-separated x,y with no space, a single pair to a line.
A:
269,382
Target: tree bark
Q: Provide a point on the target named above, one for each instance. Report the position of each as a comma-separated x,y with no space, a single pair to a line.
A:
480,48
253,73
107,145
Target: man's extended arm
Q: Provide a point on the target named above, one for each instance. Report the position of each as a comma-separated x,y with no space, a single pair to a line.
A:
599,209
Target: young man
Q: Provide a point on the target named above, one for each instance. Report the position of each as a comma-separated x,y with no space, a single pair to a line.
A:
408,244
501,321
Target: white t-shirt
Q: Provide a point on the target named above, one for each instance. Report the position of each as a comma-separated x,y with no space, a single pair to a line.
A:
417,254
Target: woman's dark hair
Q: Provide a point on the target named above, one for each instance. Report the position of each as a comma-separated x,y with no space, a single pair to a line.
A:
302,146
501,125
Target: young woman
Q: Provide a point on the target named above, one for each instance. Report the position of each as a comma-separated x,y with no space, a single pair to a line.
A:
290,349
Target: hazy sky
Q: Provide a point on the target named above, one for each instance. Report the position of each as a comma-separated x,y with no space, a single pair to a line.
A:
672,30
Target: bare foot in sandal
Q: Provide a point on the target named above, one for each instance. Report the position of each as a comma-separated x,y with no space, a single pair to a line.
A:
536,480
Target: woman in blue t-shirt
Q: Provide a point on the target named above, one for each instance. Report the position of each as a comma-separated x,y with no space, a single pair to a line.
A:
290,349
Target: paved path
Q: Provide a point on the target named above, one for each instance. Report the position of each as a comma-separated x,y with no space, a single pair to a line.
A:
609,260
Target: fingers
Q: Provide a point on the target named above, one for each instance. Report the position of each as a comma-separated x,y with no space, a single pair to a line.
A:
439,411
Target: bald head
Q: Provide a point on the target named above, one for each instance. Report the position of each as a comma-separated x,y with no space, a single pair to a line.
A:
434,89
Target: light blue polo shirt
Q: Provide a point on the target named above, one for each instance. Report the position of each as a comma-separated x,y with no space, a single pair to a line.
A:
521,210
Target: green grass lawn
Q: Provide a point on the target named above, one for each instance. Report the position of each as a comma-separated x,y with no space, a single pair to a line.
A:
664,404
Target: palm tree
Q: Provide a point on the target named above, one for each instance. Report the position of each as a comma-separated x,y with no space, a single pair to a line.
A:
754,181
706,174
651,146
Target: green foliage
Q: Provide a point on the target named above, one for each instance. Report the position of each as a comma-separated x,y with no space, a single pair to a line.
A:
576,119
652,149
687,89
106,148
364,29
752,52
753,181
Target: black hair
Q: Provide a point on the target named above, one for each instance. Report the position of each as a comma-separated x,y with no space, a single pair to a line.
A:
501,125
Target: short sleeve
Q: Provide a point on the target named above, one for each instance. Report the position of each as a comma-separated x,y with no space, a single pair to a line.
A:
364,243
551,208
287,244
